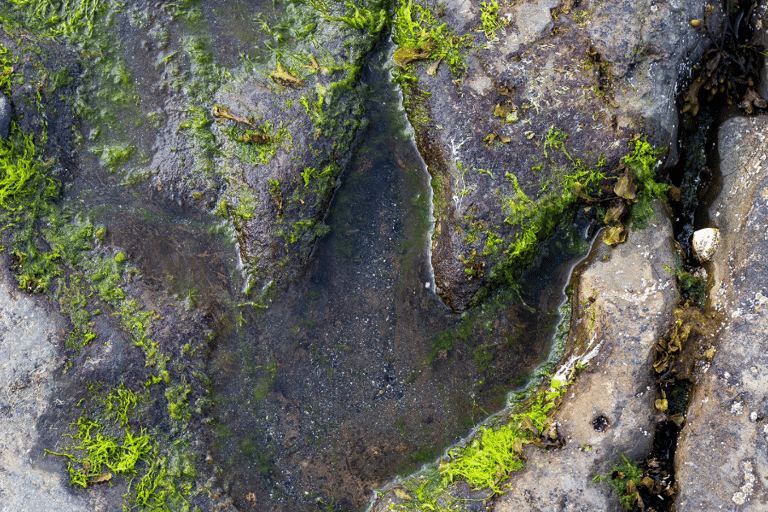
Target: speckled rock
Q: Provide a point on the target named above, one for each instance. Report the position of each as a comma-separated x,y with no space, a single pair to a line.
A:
29,333
722,455
624,301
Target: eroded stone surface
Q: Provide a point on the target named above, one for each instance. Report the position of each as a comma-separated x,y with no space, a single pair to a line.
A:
624,303
29,333
723,449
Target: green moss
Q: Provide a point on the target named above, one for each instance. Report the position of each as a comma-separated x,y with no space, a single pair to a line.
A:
113,156
495,453
113,446
624,479
306,231
487,460
98,446
96,452
176,395
205,75
483,357
534,220
73,299
119,404
489,18
53,250
643,162
7,67
417,27
56,18
25,193
370,21
267,378
693,290
22,173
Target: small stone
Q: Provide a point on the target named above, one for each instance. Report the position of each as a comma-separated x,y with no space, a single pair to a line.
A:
5,116
705,242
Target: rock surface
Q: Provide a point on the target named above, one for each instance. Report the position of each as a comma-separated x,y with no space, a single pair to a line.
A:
29,335
624,301
601,72
721,458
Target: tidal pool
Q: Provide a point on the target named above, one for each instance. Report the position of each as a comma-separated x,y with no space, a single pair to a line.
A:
357,372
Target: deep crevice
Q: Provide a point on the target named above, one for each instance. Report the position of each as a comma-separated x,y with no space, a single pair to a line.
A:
722,84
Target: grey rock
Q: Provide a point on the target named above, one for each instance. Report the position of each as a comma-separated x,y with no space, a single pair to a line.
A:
279,227
632,299
28,334
5,116
722,456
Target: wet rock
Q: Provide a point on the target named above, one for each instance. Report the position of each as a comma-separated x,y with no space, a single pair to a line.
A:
721,457
705,242
601,72
45,110
5,116
29,333
623,303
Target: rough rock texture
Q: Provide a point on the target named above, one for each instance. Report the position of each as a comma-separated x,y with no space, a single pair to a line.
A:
610,408
29,333
601,73
624,302
722,455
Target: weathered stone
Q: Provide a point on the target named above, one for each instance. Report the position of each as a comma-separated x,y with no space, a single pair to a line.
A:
623,304
602,73
722,452
29,333
275,203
